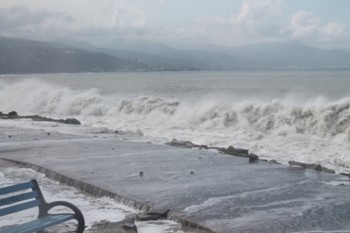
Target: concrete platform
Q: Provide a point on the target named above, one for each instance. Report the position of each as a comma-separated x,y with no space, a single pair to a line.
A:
222,192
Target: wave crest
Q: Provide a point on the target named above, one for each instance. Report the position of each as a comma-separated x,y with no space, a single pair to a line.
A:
327,120
313,131
321,118
146,105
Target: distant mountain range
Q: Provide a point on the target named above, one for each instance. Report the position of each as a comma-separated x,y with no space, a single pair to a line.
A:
264,56
26,56
67,56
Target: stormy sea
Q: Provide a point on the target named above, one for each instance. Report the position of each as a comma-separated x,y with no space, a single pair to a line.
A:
128,120
302,116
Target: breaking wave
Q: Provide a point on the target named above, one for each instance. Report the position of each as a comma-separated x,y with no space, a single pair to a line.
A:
316,130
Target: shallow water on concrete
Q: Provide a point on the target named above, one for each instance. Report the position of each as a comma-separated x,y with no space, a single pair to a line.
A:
225,193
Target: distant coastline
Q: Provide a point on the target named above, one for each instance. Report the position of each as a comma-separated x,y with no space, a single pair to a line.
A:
20,56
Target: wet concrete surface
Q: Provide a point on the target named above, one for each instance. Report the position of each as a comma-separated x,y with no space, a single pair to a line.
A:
222,192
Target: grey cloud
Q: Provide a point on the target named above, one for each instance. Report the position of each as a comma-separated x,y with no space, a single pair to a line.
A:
260,18
18,16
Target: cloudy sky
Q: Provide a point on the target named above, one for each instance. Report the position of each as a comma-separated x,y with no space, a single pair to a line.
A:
321,23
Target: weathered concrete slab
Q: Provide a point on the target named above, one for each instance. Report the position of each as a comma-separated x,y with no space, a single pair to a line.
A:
225,193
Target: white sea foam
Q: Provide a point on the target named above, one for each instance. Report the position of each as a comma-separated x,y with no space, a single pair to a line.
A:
316,130
95,210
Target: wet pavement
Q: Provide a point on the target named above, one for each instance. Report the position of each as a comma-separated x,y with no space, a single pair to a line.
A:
222,192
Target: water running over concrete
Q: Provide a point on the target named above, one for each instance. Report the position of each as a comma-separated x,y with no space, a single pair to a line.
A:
224,193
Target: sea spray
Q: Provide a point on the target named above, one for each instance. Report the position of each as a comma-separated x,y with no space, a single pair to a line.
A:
32,96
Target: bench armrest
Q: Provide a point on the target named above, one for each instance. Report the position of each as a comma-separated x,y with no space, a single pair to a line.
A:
77,213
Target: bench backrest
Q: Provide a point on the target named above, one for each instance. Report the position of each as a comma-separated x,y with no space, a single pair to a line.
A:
25,196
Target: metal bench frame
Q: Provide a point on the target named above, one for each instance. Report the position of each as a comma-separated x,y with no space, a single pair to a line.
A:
34,198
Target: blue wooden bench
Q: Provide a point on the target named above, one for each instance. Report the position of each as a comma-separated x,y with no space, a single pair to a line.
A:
28,195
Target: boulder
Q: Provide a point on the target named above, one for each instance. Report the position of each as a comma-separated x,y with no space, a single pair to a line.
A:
313,166
253,158
12,114
345,174
129,224
272,161
234,151
153,215
125,226
187,144
184,144
72,121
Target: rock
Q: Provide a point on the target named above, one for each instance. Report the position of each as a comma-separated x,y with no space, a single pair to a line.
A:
72,121
192,172
12,114
141,173
153,215
272,161
345,174
253,158
129,224
316,167
202,147
234,151
184,144
125,226
161,212
38,118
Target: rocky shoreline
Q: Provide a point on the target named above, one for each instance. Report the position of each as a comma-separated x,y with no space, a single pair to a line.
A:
185,144
13,115
251,157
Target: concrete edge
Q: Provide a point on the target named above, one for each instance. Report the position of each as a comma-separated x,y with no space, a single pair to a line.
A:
99,192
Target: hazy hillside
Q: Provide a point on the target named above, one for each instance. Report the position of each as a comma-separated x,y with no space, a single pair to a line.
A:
292,55
25,56
158,57
264,56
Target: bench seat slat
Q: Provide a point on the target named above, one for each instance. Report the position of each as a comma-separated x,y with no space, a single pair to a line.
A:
18,198
39,224
16,187
19,207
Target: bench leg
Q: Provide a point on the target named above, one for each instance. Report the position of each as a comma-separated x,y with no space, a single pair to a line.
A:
80,230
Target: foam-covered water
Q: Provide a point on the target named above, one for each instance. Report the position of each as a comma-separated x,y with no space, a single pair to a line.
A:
95,210
284,116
